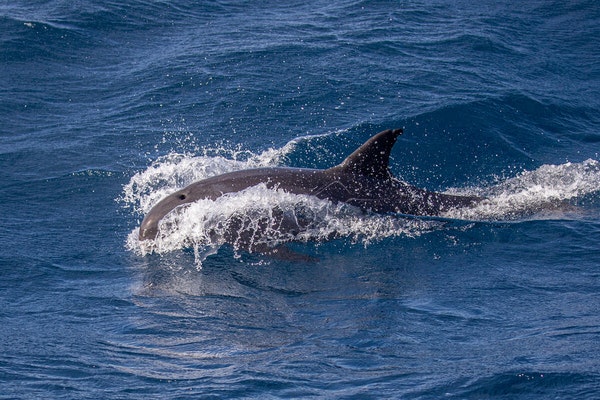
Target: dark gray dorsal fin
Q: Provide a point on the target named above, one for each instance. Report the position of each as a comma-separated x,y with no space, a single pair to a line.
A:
372,158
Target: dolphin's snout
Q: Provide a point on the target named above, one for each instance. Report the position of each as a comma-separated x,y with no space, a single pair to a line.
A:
148,229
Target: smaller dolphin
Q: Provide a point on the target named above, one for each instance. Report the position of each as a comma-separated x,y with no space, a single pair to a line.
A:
362,180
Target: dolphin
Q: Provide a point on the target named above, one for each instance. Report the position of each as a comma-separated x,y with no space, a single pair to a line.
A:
363,180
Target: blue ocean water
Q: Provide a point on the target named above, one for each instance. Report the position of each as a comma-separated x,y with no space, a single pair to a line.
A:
106,107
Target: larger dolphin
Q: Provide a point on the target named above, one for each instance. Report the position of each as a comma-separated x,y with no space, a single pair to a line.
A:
362,180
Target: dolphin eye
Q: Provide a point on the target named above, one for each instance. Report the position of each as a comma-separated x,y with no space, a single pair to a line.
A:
182,197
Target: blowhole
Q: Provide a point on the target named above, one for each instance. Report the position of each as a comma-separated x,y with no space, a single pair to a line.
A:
182,197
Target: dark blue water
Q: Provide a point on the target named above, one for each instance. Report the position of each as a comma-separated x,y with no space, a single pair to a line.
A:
106,107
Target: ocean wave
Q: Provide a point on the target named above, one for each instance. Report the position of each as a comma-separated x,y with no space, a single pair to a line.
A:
517,385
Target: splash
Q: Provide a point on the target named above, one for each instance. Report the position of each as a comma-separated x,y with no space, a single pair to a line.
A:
260,219
175,171
543,193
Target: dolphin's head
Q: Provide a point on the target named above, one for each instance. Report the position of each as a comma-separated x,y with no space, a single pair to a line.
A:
149,227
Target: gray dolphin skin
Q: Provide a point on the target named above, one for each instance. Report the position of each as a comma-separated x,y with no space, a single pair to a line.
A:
362,180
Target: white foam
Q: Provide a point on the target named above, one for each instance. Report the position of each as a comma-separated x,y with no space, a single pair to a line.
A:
542,193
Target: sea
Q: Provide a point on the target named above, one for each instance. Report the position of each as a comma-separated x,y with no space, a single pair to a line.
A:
108,106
